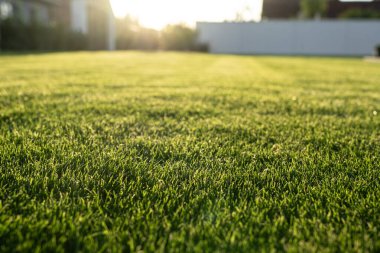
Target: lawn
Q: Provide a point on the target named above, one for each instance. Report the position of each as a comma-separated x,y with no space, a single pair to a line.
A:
169,152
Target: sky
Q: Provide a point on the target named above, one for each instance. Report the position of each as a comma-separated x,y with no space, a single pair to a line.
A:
157,14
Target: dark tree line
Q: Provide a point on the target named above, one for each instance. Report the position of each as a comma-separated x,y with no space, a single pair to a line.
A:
18,36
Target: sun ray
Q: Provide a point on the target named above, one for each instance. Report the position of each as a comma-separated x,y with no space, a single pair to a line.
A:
157,14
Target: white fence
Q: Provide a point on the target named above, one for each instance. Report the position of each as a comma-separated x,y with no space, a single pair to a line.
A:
349,38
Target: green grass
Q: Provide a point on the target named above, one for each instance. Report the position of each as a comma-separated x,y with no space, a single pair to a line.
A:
124,152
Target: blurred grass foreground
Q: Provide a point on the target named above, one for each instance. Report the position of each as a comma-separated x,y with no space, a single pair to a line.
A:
121,152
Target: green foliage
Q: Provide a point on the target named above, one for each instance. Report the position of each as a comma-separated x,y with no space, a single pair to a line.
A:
131,35
168,152
178,37
377,49
313,8
360,14
16,36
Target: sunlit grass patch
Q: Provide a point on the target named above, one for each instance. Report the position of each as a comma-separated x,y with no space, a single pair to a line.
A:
188,152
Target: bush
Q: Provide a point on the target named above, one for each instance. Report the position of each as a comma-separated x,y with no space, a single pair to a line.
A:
130,35
360,14
201,47
181,38
178,37
377,50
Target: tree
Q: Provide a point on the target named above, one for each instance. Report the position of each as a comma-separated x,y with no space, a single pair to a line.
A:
313,8
244,14
131,35
178,37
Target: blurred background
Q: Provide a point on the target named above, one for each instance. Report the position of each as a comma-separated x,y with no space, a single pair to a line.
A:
63,25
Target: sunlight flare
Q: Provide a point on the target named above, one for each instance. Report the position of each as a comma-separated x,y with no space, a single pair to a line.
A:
158,14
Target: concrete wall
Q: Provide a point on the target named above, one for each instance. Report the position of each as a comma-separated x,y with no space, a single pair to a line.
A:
348,38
